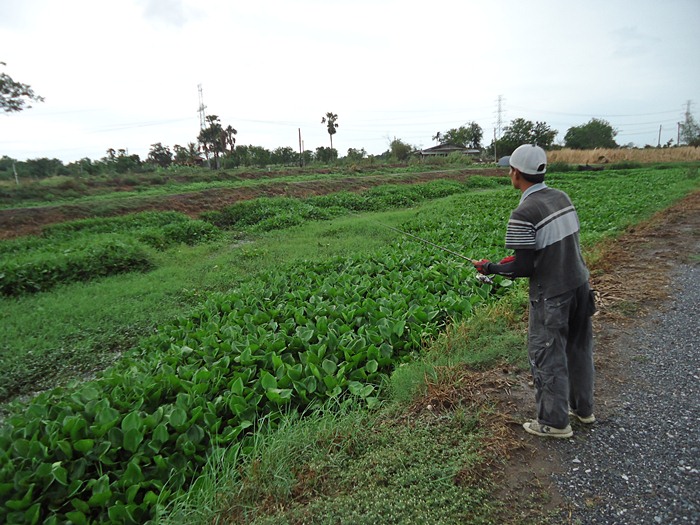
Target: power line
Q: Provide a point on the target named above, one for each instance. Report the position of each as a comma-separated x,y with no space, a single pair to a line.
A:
597,115
119,127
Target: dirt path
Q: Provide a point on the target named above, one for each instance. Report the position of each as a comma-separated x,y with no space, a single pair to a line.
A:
638,280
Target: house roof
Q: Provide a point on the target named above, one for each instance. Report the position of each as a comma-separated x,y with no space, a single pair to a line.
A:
448,148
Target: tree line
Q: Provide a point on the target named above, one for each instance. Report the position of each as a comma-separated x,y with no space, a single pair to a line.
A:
216,145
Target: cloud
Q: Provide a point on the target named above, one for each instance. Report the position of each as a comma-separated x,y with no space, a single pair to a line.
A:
630,42
171,13
125,74
15,13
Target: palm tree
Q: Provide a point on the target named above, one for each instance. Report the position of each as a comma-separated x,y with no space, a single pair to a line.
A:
211,139
330,119
230,139
192,153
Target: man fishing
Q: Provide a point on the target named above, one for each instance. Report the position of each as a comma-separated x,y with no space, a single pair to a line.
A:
544,233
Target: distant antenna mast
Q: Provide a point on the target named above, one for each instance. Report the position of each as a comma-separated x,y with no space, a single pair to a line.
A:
202,107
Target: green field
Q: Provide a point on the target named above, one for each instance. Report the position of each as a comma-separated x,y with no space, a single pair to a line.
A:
192,366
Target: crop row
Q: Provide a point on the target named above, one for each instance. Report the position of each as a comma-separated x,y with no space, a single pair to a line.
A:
267,214
100,258
117,448
105,450
87,249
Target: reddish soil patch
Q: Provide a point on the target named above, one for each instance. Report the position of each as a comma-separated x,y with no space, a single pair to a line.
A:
16,222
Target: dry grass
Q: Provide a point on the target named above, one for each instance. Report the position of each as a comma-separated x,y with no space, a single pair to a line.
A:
604,156
645,280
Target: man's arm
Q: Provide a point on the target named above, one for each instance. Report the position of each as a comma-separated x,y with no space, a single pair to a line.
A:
521,266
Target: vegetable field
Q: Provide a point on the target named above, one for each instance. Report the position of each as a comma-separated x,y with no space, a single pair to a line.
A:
120,447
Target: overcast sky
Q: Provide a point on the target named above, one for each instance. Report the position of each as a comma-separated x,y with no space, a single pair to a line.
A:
125,73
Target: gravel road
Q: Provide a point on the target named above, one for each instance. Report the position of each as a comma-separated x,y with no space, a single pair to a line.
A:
640,463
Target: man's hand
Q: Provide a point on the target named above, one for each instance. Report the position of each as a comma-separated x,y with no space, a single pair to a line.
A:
482,266
507,260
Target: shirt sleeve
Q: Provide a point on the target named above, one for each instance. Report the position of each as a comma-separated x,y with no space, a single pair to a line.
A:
522,266
520,235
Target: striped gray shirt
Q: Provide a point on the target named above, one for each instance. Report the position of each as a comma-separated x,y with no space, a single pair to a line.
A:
546,221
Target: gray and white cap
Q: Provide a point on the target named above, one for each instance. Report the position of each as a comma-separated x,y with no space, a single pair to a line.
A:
529,159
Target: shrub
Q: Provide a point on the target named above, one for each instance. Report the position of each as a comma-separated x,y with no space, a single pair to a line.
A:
625,165
559,167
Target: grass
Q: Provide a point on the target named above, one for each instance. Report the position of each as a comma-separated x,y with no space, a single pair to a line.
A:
399,464
346,465
402,463
80,328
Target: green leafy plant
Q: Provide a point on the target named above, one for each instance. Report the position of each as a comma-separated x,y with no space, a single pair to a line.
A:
118,448
317,332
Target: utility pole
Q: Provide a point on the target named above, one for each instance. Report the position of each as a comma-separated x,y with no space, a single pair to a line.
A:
301,153
495,154
658,145
678,140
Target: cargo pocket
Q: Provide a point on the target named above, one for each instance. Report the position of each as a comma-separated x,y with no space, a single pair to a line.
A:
538,350
591,307
556,310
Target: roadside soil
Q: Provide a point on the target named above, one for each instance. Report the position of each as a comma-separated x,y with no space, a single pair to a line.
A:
631,277
16,222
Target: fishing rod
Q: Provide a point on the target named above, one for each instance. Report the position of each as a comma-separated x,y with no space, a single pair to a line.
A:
425,241
480,277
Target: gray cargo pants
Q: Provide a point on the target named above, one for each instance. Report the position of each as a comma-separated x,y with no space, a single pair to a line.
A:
560,348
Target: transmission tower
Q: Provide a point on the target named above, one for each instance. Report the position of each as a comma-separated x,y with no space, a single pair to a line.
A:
203,121
202,107
499,116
